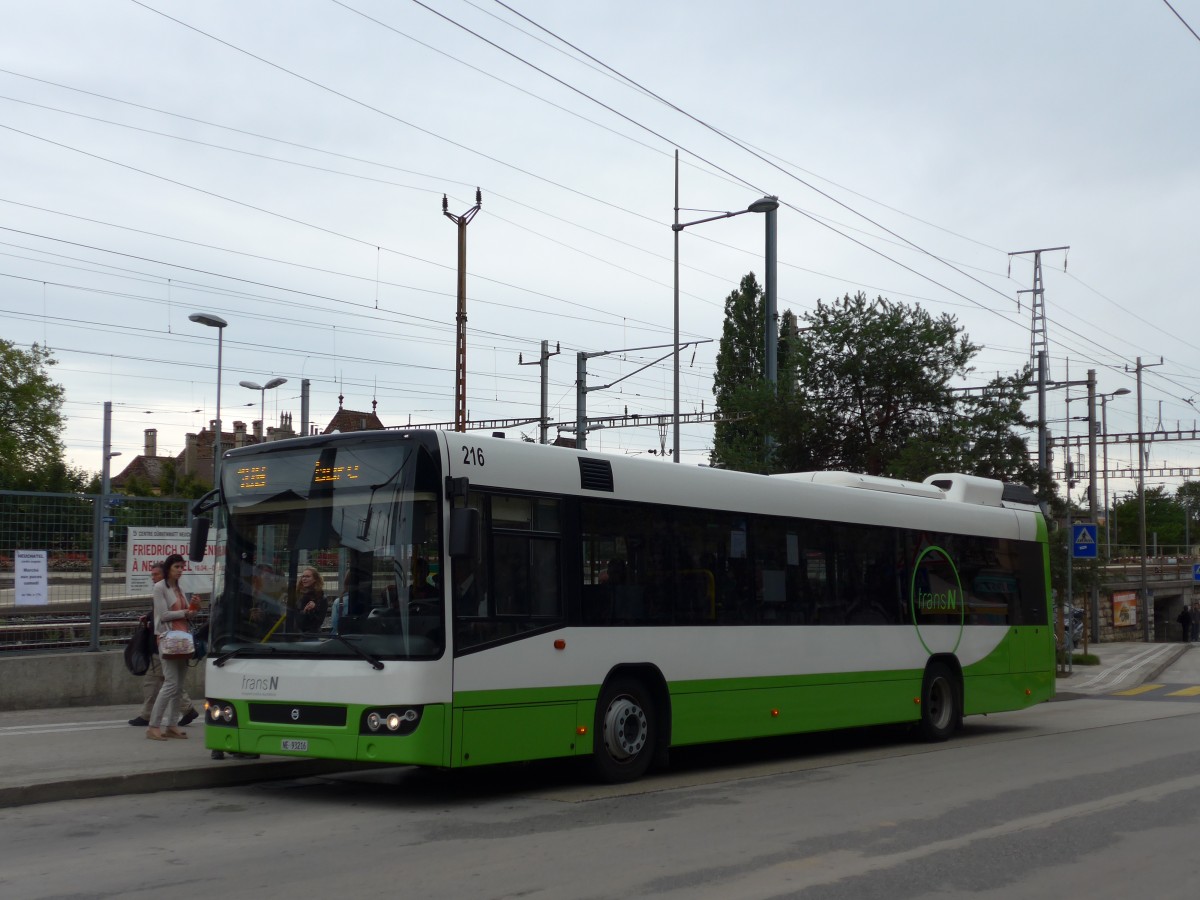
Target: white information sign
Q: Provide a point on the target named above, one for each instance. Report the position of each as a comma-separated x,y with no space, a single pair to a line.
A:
32,585
148,546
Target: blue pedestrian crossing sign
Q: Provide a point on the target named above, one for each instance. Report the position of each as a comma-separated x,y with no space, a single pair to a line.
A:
1195,571
1083,536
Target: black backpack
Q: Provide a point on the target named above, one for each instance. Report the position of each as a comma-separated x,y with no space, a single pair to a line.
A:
141,647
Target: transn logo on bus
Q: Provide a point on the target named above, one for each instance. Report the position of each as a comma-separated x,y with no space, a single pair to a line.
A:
260,685
929,602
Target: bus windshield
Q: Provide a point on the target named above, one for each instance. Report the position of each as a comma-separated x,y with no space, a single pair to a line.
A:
333,551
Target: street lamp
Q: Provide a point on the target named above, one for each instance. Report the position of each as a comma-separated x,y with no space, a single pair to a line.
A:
1104,398
218,323
262,406
766,205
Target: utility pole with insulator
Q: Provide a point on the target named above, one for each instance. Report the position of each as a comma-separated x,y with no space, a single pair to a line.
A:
460,343
543,363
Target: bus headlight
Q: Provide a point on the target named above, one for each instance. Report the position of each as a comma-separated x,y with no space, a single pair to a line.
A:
218,712
395,721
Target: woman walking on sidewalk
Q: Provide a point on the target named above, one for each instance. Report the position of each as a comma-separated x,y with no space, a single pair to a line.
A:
171,611
152,681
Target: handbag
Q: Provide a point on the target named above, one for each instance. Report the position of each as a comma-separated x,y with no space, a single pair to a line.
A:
176,645
139,649
177,641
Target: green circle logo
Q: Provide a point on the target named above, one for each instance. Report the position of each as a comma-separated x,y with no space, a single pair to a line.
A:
935,596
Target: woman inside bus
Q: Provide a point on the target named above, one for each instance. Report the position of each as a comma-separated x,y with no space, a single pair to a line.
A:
311,604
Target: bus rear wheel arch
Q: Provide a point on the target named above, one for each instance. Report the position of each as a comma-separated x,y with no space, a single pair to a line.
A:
941,701
627,733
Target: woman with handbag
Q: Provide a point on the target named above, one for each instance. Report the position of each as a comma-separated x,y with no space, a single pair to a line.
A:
172,613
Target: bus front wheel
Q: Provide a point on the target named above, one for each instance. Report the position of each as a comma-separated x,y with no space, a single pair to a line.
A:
625,731
941,711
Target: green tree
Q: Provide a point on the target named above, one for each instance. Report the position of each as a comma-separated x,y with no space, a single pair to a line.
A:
743,397
877,375
31,423
1164,520
1189,496
864,385
177,483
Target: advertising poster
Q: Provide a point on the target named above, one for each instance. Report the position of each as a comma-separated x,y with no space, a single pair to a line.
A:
1124,609
32,585
148,546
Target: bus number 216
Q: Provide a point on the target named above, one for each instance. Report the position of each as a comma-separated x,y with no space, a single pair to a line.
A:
472,456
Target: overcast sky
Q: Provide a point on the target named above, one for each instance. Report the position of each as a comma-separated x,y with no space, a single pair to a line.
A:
282,165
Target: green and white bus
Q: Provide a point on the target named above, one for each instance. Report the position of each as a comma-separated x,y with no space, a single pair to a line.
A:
493,601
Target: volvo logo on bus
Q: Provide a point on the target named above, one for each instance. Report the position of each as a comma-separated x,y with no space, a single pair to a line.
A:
295,714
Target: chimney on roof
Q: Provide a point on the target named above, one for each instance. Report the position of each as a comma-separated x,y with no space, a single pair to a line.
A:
284,429
258,431
239,434
151,448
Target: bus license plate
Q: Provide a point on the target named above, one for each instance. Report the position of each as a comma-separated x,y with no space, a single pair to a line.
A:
295,746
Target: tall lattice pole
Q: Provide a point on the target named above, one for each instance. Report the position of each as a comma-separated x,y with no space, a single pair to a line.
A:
460,343
1039,355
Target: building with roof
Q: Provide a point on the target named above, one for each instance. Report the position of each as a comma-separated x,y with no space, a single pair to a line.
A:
196,458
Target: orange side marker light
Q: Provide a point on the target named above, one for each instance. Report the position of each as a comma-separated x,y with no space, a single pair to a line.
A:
560,644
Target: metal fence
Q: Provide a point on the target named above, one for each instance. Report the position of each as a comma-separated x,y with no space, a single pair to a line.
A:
86,606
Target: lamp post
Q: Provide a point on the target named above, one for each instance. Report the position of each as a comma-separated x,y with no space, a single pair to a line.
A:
768,205
218,323
1104,398
262,406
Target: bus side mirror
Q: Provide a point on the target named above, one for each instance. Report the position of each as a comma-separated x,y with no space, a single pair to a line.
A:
199,540
464,532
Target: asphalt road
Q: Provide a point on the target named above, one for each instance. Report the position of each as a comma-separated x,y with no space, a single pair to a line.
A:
1094,797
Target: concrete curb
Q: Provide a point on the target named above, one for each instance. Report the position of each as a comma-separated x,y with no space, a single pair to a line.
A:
1169,661
229,773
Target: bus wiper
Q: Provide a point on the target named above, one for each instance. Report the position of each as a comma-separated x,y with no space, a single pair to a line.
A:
237,651
373,660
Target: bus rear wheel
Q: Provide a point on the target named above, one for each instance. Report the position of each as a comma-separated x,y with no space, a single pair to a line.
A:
625,731
941,709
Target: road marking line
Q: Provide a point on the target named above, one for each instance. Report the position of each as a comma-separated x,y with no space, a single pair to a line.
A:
1113,675
1186,692
1142,689
59,727
833,866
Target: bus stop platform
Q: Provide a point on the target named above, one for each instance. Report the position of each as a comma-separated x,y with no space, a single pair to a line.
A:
78,752
92,751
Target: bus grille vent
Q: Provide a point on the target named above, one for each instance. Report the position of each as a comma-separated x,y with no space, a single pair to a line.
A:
595,475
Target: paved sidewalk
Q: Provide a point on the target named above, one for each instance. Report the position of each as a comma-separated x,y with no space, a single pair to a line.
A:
62,754
1122,666
92,751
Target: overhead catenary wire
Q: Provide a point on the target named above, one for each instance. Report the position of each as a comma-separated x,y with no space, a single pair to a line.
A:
885,290
792,206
